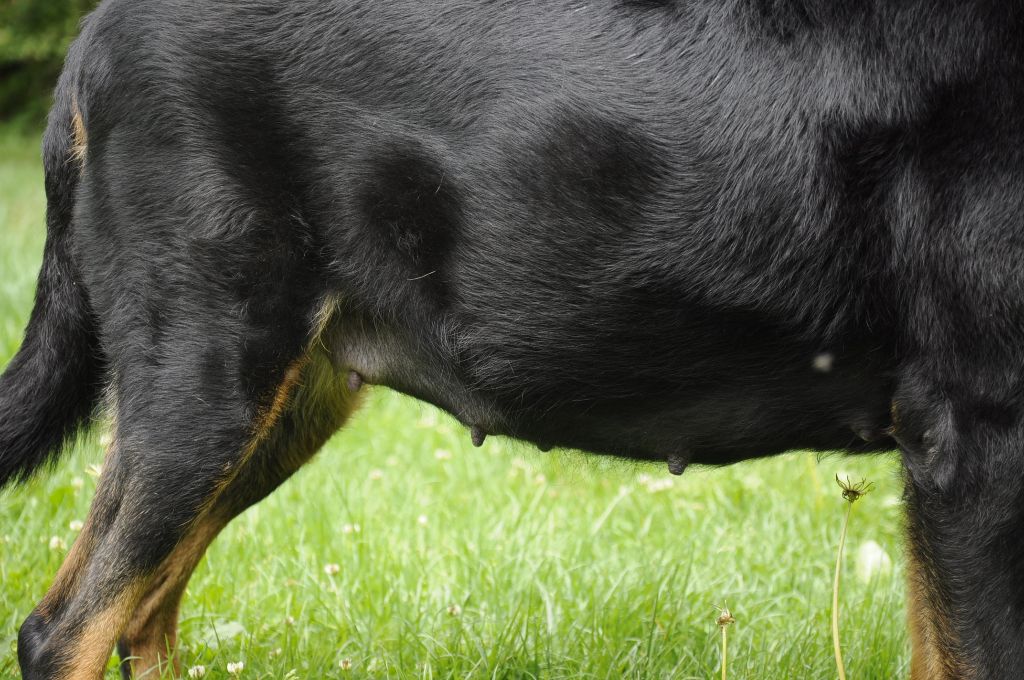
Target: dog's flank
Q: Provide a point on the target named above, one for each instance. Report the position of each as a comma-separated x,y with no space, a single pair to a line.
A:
683,232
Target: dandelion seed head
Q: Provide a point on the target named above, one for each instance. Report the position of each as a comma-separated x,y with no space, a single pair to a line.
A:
853,491
725,617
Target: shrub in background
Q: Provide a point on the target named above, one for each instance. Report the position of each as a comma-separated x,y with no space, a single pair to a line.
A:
34,35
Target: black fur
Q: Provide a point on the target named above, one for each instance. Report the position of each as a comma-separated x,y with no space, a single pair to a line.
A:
700,231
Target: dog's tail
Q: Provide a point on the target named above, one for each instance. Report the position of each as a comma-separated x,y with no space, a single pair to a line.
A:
48,390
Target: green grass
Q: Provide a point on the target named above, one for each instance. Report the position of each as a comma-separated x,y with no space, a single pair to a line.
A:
562,566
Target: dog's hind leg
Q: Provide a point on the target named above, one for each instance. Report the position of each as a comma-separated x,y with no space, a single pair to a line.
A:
190,431
321,402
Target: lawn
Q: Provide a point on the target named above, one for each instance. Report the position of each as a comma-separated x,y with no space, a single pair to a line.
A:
403,552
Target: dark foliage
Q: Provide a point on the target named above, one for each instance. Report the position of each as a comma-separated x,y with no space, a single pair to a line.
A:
34,37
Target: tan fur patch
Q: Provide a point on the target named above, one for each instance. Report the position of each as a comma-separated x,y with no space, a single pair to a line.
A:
930,631
152,633
80,137
92,651
323,317
266,420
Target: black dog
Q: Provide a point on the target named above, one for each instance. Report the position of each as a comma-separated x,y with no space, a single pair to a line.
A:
686,231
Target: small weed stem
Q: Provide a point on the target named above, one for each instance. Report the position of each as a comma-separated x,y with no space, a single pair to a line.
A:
851,493
725,619
835,597
725,651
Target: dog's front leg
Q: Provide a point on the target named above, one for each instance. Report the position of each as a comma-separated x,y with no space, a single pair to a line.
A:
963,450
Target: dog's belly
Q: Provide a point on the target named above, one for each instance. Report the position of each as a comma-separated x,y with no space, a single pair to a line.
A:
705,389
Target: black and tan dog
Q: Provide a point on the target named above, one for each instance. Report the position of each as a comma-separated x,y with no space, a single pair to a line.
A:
689,231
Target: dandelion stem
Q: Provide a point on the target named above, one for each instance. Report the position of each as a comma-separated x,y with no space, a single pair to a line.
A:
835,596
725,649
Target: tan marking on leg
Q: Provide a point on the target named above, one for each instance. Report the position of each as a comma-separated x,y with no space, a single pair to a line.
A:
267,420
924,663
80,137
931,634
151,634
96,640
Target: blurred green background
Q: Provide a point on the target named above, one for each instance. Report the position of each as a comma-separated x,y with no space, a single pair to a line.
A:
34,35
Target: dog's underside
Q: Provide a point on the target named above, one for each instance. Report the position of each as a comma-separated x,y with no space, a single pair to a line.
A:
687,232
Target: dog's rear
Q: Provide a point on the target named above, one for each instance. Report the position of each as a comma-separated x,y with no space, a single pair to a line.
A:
50,387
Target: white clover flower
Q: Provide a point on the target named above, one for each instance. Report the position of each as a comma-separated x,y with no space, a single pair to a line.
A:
76,525
454,610
57,543
659,484
197,672
422,520
345,664
289,620
376,475
872,560
332,569
77,483
443,454
236,667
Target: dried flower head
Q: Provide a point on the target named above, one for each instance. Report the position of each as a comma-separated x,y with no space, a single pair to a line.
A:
725,617
853,491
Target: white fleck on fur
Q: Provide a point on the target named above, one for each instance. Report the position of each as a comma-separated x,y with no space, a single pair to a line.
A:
823,362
